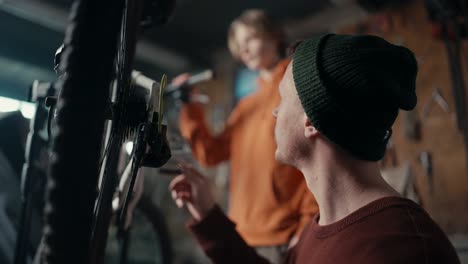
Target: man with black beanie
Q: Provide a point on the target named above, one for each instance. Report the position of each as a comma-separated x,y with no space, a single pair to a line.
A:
340,96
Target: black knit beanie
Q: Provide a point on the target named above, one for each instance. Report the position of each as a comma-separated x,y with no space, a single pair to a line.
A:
352,87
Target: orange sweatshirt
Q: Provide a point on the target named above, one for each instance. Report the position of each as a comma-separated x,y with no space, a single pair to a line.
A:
268,201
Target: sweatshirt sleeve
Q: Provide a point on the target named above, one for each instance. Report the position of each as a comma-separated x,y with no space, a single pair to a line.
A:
207,148
220,241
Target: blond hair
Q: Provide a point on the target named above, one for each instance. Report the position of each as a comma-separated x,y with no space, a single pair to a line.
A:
262,24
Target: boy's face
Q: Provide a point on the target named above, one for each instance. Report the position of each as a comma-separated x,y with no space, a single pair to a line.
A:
255,51
290,119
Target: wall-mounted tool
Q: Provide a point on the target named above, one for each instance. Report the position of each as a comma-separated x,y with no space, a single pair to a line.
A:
438,99
425,158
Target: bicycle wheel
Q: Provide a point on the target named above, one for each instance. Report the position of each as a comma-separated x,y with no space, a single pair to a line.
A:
120,128
100,46
146,242
154,216
91,40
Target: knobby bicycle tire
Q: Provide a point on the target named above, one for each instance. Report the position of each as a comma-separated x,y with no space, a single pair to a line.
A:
91,40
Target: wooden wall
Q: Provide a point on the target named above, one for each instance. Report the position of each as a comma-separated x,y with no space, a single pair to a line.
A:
447,201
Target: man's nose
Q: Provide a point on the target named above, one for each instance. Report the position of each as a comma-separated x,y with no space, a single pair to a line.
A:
275,112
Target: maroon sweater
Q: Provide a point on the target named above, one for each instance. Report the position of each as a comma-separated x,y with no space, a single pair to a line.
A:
390,230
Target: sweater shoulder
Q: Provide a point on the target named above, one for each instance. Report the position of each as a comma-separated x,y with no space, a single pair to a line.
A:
404,234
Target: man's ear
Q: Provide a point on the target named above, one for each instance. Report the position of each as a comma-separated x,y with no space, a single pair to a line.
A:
309,129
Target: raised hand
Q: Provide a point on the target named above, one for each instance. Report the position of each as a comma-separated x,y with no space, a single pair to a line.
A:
192,190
